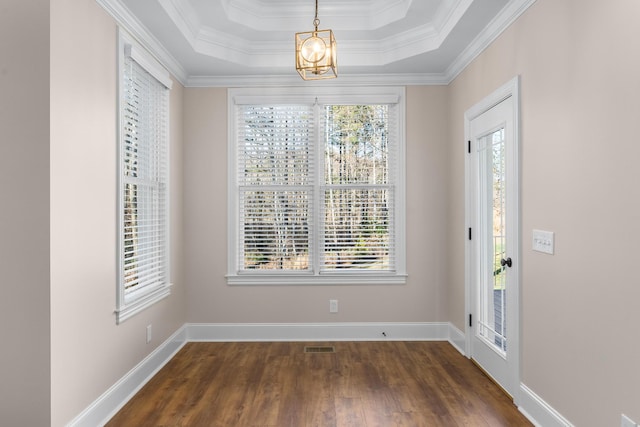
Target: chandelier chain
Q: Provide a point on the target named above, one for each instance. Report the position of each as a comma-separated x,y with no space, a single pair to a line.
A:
316,21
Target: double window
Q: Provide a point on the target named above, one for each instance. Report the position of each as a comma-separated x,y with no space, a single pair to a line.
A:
143,180
316,194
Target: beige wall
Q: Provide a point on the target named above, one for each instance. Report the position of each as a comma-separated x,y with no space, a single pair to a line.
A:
89,352
210,299
24,213
578,61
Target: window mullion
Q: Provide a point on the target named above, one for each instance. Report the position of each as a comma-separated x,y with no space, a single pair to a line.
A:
317,235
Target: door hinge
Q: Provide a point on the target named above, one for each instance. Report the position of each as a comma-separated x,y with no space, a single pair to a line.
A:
469,233
470,320
469,149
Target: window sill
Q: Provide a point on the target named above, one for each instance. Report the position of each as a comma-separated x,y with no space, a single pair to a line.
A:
129,310
322,280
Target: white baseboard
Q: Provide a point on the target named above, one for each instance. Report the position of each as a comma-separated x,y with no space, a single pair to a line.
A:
437,331
457,339
539,412
112,400
106,406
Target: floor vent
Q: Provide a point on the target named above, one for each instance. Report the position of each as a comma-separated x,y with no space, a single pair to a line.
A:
320,349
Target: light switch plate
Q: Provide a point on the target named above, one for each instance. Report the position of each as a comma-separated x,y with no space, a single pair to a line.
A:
543,241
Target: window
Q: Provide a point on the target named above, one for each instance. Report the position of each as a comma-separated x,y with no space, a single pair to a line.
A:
316,193
143,180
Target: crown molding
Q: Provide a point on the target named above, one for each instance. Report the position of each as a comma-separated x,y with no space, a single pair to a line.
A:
279,54
125,19
350,80
446,18
259,15
132,25
185,18
501,22
265,53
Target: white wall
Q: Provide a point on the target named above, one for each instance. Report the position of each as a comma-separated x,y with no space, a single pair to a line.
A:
89,352
24,213
210,299
578,61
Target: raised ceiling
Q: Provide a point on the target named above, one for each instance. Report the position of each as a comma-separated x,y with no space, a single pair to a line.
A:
222,42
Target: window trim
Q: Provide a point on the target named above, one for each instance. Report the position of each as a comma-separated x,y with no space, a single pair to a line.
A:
324,95
130,304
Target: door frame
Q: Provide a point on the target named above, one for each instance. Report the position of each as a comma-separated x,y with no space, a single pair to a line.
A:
509,89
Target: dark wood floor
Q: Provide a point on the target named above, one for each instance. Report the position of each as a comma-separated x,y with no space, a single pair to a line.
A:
362,384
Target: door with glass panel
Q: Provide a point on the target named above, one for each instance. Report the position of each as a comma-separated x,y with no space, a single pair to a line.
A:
492,210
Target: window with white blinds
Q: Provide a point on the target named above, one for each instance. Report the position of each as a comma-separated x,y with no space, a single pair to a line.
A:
143,183
276,168
357,191
318,190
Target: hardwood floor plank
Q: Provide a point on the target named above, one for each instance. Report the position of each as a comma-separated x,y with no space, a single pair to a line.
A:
350,412
385,384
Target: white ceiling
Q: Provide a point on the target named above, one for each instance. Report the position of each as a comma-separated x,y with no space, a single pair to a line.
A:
226,42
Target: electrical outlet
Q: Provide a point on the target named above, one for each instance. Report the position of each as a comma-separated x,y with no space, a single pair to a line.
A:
627,422
333,306
543,241
148,334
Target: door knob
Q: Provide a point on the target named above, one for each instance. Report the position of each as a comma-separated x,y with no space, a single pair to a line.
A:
506,262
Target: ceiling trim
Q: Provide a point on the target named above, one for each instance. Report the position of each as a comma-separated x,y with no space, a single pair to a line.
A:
445,18
258,14
134,27
377,52
129,22
501,22
294,80
351,53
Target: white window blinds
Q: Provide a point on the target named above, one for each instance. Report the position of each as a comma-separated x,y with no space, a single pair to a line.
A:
144,250
358,188
316,189
275,177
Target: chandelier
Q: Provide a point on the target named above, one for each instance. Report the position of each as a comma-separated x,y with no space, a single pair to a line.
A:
316,55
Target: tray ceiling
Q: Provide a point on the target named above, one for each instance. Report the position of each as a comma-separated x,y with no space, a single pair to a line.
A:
219,41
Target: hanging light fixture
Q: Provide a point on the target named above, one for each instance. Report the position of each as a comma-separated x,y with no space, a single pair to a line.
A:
316,55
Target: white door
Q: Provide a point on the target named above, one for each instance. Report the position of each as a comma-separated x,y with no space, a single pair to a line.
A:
493,240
